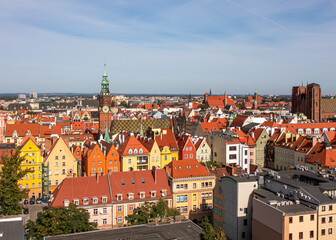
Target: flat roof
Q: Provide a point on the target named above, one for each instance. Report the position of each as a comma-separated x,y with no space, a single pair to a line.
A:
182,230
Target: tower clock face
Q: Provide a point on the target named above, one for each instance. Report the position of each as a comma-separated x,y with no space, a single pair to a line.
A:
105,109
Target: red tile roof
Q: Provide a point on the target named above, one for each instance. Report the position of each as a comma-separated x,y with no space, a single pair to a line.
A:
327,158
22,129
239,121
187,168
121,183
131,143
210,127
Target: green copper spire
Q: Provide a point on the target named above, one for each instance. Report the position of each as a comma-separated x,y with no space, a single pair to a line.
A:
107,136
105,83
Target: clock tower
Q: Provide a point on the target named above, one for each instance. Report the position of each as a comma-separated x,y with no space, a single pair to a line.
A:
105,104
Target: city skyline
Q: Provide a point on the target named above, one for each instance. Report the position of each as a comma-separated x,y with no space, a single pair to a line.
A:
167,47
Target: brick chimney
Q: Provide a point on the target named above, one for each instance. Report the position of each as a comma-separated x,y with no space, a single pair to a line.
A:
154,173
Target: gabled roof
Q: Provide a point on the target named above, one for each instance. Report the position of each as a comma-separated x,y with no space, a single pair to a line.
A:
187,168
131,143
326,158
167,138
239,121
210,127
22,129
122,183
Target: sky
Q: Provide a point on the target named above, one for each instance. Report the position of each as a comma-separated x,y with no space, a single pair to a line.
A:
167,46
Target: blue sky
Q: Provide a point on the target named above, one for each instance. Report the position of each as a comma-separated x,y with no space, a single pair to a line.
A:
167,46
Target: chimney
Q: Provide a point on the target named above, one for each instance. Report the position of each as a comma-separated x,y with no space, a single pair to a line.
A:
97,177
154,173
314,140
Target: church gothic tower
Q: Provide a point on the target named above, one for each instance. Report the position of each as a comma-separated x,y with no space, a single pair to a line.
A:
105,104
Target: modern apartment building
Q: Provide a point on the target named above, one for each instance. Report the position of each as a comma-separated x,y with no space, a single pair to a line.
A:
233,206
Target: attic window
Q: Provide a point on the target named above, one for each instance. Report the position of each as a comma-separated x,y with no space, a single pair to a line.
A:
142,180
135,151
180,167
196,165
140,151
66,203
163,192
85,201
153,193
130,151
76,201
119,197
95,200
122,182
132,181
142,194
130,196
104,199
176,168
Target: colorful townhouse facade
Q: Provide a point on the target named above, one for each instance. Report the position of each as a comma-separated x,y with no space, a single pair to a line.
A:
112,197
192,186
59,163
31,182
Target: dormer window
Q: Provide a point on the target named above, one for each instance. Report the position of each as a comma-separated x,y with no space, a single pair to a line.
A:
76,201
163,192
308,131
95,200
135,151
130,196
129,151
66,203
142,194
140,151
153,193
104,199
119,197
85,201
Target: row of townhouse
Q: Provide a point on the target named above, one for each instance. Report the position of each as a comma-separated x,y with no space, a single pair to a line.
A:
15,133
186,185
127,152
311,152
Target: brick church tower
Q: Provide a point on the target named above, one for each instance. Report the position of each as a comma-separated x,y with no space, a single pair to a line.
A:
307,100
105,105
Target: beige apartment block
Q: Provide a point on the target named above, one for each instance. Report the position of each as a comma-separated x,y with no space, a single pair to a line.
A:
277,218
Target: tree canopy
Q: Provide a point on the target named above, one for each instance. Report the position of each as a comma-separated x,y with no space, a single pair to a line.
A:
148,211
10,174
55,221
209,232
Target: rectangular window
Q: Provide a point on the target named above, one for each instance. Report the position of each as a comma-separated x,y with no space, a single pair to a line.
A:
186,156
63,164
115,169
130,161
290,219
312,217
330,207
194,185
93,163
95,211
232,148
323,232
56,171
311,234
330,231
232,156
56,164
300,235
104,221
330,219
131,207
119,208
323,208
290,236
301,218
194,208
323,220
99,162
119,219
56,182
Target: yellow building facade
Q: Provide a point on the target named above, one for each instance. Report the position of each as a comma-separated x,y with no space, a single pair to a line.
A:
33,161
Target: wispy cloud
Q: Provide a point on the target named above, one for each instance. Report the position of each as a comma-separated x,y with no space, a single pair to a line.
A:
167,46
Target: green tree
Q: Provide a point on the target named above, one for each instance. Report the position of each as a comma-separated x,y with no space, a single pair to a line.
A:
10,174
160,209
55,221
209,232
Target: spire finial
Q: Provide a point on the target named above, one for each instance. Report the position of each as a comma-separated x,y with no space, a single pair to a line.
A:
105,74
